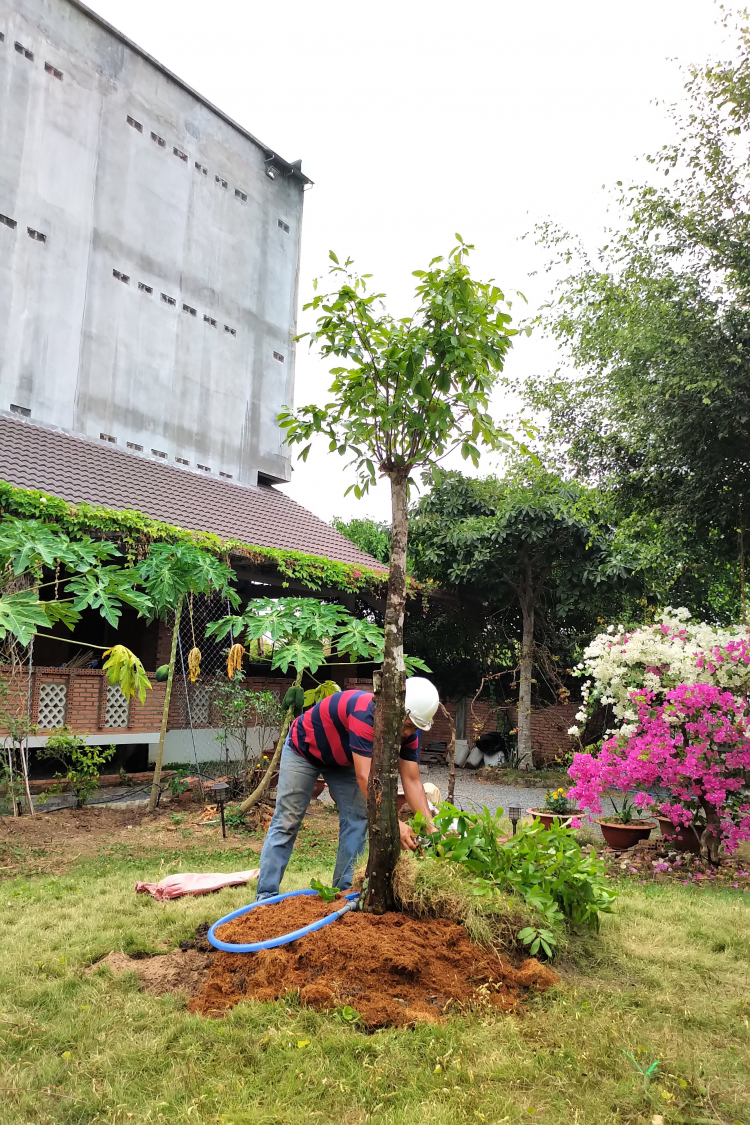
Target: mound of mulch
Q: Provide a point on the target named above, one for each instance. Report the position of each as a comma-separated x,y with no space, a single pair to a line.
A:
265,922
391,969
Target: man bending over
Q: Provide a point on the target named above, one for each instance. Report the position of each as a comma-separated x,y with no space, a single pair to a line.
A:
334,738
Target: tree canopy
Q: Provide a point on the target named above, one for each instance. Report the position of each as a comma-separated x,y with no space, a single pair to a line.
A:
533,547
655,402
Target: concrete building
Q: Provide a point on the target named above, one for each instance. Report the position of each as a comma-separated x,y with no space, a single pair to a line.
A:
149,251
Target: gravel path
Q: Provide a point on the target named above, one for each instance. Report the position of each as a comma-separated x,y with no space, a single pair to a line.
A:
473,794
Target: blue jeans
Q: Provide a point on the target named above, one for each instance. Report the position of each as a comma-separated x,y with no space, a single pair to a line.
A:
297,779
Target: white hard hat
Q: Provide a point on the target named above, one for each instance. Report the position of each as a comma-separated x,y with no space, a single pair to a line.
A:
422,702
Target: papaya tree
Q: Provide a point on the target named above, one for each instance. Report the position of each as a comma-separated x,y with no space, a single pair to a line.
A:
406,394
305,634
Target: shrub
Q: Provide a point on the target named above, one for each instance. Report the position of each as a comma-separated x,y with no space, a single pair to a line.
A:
80,760
694,743
545,867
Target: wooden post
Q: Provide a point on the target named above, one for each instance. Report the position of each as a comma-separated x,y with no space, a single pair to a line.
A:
165,713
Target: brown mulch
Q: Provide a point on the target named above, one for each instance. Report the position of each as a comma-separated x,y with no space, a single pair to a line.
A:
392,969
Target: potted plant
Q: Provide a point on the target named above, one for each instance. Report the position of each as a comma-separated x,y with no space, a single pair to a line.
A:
557,809
682,837
623,830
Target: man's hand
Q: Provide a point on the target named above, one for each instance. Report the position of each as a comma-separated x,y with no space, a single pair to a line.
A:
408,839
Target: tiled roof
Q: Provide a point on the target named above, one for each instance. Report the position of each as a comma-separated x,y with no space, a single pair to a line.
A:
79,469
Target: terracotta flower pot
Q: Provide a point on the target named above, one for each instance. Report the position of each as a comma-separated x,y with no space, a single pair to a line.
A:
684,839
549,818
620,837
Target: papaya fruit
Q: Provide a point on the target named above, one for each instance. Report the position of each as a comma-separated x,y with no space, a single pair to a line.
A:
162,674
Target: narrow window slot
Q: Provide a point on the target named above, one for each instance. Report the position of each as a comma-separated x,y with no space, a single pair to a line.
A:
181,461
188,309
36,235
136,446
8,222
24,411
227,475
241,195
158,140
209,320
221,182
145,288
158,453
53,71
284,226
121,276
201,168
230,331
168,300
182,155
23,51
279,356
204,468
135,124
108,437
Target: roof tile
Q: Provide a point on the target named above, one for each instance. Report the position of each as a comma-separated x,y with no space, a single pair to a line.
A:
79,469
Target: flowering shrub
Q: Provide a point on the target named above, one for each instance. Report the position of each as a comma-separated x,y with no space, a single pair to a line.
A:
659,657
692,739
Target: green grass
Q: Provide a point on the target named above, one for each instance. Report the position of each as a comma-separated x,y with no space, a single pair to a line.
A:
667,978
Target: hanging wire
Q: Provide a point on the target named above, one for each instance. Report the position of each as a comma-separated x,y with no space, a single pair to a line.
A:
190,717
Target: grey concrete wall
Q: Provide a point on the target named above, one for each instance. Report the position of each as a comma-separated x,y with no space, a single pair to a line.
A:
93,354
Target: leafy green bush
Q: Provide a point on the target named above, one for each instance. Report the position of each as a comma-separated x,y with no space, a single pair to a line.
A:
81,763
545,867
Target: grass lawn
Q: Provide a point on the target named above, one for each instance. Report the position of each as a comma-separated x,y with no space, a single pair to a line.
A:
668,978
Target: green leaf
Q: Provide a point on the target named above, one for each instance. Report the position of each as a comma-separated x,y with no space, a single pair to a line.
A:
21,614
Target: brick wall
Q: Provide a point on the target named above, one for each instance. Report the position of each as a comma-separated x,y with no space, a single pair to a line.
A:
85,699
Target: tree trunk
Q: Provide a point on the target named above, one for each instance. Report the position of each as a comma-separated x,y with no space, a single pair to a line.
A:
710,838
382,788
265,781
165,712
524,693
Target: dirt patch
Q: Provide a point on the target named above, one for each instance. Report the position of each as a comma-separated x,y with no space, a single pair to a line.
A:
182,970
392,969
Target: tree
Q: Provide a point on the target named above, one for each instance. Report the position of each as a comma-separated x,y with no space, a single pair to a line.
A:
412,390
304,633
655,401
371,536
530,544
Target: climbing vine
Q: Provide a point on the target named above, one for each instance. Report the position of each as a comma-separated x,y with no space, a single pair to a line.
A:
135,532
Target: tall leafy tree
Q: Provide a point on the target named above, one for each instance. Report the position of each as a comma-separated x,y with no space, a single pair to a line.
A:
655,401
531,545
408,392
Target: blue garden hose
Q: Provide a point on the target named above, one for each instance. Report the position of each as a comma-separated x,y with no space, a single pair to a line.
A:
272,943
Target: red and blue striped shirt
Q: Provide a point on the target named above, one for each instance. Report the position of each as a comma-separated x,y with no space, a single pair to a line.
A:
340,726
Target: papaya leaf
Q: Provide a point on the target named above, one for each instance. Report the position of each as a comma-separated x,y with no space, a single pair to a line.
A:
124,668
21,614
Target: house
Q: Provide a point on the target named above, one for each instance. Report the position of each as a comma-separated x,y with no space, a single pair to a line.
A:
149,261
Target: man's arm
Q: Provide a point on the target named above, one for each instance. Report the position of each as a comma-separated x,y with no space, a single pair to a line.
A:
416,797
362,773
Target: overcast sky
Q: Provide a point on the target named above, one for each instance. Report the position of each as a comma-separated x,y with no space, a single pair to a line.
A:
419,118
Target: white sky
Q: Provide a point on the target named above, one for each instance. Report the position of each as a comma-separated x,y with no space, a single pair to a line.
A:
419,118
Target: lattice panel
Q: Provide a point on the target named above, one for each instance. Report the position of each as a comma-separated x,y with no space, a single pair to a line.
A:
200,705
52,700
117,708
